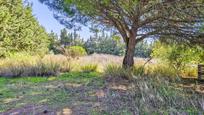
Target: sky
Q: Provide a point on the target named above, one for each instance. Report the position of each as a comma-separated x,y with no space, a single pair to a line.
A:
46,19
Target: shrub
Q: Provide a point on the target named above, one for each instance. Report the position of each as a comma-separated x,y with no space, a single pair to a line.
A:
89,68
117,71
163,69
75,51
178,56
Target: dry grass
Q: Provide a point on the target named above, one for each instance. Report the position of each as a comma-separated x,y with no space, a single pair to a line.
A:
49,65
104,60
23,65
54,64
150,92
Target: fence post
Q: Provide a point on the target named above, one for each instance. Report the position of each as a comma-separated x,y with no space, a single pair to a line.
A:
200,71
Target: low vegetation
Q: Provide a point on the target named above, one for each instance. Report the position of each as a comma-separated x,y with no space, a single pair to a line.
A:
89,68
75,51
150,88
117,71
54,91
22,64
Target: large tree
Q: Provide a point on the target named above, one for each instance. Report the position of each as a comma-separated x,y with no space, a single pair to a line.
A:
135,20
19,30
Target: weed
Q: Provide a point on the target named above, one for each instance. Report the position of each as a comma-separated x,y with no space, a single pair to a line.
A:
89,68
139,70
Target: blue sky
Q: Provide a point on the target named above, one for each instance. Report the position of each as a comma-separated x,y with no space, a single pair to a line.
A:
46,19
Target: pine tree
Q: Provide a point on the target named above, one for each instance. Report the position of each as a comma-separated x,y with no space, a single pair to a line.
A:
19,30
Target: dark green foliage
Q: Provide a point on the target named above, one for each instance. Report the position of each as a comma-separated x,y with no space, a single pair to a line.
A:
101,43
70,39
54,43
143,49
65,38
105,45
114,46
20,31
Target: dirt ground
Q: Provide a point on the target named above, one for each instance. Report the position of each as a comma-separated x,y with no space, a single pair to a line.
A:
82,99
113,96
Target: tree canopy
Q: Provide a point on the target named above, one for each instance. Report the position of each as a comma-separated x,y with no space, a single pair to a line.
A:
136,20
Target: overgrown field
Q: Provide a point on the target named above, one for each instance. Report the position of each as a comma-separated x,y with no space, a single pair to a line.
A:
95,85
51,65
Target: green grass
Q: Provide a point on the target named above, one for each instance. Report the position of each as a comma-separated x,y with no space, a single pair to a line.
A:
51,91
79,77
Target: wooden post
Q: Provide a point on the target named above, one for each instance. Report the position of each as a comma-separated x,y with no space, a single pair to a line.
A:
200,71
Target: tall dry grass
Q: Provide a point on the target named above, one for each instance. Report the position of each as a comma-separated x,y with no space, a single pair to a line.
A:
49,65
26,65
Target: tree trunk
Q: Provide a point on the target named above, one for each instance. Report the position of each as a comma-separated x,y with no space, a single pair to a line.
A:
128,61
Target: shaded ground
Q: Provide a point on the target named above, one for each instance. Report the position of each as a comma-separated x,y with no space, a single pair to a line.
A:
79,94
72,93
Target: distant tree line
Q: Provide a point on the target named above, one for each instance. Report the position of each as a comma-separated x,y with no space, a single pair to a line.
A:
100,42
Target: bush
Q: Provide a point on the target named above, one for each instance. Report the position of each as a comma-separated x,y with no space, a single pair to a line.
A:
75,51
117,71
89,68
178,56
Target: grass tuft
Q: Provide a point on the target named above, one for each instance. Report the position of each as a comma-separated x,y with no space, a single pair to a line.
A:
89,68
117,71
